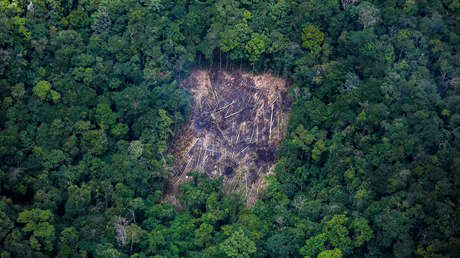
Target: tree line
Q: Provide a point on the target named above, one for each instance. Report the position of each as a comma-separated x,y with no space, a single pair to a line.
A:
90,106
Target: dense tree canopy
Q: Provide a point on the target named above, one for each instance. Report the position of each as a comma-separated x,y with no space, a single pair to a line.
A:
90,105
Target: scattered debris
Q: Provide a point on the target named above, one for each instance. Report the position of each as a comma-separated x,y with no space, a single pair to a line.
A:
236,123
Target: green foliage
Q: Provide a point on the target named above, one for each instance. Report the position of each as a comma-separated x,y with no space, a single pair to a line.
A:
238,245
78,200
92,95
368,14
42,89
336,253
361,231
314,245
68,241
108,250
6,223
39,226
337,231
104,116
256,46
203,235
312,38
281,245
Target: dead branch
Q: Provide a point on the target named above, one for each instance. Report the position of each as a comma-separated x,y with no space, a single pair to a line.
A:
224,107
237,112
242,150
271,122
238,136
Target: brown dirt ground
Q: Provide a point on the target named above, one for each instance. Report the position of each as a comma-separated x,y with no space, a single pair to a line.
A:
236,123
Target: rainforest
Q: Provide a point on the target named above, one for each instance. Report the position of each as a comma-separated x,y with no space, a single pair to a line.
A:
229,128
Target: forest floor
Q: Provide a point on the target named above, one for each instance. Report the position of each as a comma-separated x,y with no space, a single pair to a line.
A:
236,123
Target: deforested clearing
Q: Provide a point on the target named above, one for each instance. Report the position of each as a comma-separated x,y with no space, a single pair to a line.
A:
236,123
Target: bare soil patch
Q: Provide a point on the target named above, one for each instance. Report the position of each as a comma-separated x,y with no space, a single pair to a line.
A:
236,123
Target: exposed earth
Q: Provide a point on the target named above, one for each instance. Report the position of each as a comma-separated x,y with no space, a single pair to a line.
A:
236,123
